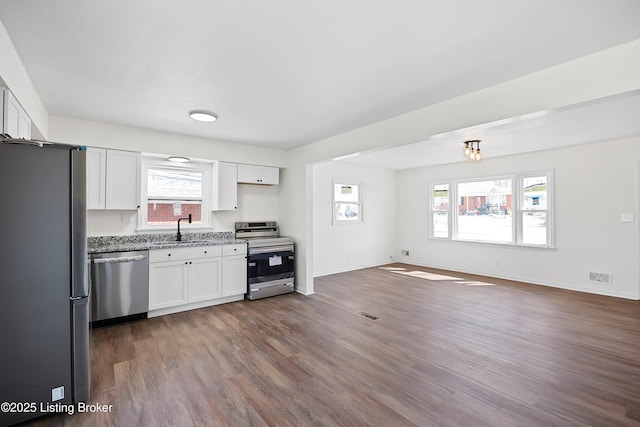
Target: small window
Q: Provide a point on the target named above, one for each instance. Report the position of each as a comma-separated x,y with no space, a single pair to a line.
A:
347,202
440,211
172,192
534,210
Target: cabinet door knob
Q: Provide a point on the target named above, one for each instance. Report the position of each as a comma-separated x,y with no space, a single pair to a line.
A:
205,252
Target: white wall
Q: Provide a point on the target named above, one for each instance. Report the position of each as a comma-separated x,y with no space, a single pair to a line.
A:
16,78
349,246
255,202
594,184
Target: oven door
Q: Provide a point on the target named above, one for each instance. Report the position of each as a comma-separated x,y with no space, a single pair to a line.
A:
269,266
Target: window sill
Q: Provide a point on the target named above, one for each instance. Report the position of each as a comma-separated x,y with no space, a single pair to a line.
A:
496,244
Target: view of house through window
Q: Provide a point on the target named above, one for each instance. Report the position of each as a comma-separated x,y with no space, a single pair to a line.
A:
172,194
534,210
505,210
440,210
347,203
484,211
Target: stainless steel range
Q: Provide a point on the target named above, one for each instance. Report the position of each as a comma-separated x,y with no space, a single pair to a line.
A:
270,259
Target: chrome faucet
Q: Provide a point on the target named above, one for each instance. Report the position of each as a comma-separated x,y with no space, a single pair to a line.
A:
179,236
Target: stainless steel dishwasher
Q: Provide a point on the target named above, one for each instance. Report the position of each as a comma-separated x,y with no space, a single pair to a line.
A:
119,284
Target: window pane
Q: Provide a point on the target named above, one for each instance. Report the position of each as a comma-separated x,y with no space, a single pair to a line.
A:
346,193
440,204
484,211
441,197
534,228
174,183
534,193
164,212
440,224
347,211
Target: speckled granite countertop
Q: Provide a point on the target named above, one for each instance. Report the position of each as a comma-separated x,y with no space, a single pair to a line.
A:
140,242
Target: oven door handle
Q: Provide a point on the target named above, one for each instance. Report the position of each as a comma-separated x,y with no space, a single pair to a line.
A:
269,249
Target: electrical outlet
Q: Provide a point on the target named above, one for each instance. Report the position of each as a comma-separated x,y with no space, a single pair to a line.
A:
405,252
127,218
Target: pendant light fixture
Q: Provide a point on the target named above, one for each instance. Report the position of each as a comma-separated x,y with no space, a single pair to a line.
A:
472,150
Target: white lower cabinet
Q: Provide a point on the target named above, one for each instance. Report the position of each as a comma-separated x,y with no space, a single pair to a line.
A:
167,284
187,278
204,279
234,270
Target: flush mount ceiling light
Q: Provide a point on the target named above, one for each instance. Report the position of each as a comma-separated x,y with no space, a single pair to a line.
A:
472,150
178,159
203,116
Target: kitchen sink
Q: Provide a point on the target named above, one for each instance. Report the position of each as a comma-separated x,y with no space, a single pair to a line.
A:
175,243
161,244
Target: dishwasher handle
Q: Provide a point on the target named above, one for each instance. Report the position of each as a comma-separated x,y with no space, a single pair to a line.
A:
118,259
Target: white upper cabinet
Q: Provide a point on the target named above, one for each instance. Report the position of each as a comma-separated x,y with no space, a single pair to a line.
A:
96,175
253,174
225,187
15,121
123,180
113,179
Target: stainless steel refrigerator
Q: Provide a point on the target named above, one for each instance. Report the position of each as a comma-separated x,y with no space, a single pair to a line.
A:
44,289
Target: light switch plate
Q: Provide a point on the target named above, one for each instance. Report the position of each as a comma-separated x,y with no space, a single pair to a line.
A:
57,393
626,217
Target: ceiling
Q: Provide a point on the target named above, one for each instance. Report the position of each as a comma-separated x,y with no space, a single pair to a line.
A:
285,73
605,119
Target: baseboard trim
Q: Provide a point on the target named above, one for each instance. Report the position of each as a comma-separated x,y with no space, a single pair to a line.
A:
530,280
352,268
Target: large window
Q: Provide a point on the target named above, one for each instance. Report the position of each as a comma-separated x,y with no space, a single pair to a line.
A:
513,209
171,192
347,202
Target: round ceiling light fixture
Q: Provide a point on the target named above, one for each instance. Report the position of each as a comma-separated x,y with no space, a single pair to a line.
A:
203,116
178,159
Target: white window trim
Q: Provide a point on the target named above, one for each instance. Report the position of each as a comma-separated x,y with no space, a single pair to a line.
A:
151,163
432,211
517,209
352,182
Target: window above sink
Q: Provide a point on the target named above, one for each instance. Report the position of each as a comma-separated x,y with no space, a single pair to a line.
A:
171,191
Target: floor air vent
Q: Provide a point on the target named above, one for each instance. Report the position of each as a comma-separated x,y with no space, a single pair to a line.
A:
604,278
368,316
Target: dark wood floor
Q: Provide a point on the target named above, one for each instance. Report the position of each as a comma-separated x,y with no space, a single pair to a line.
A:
452,350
